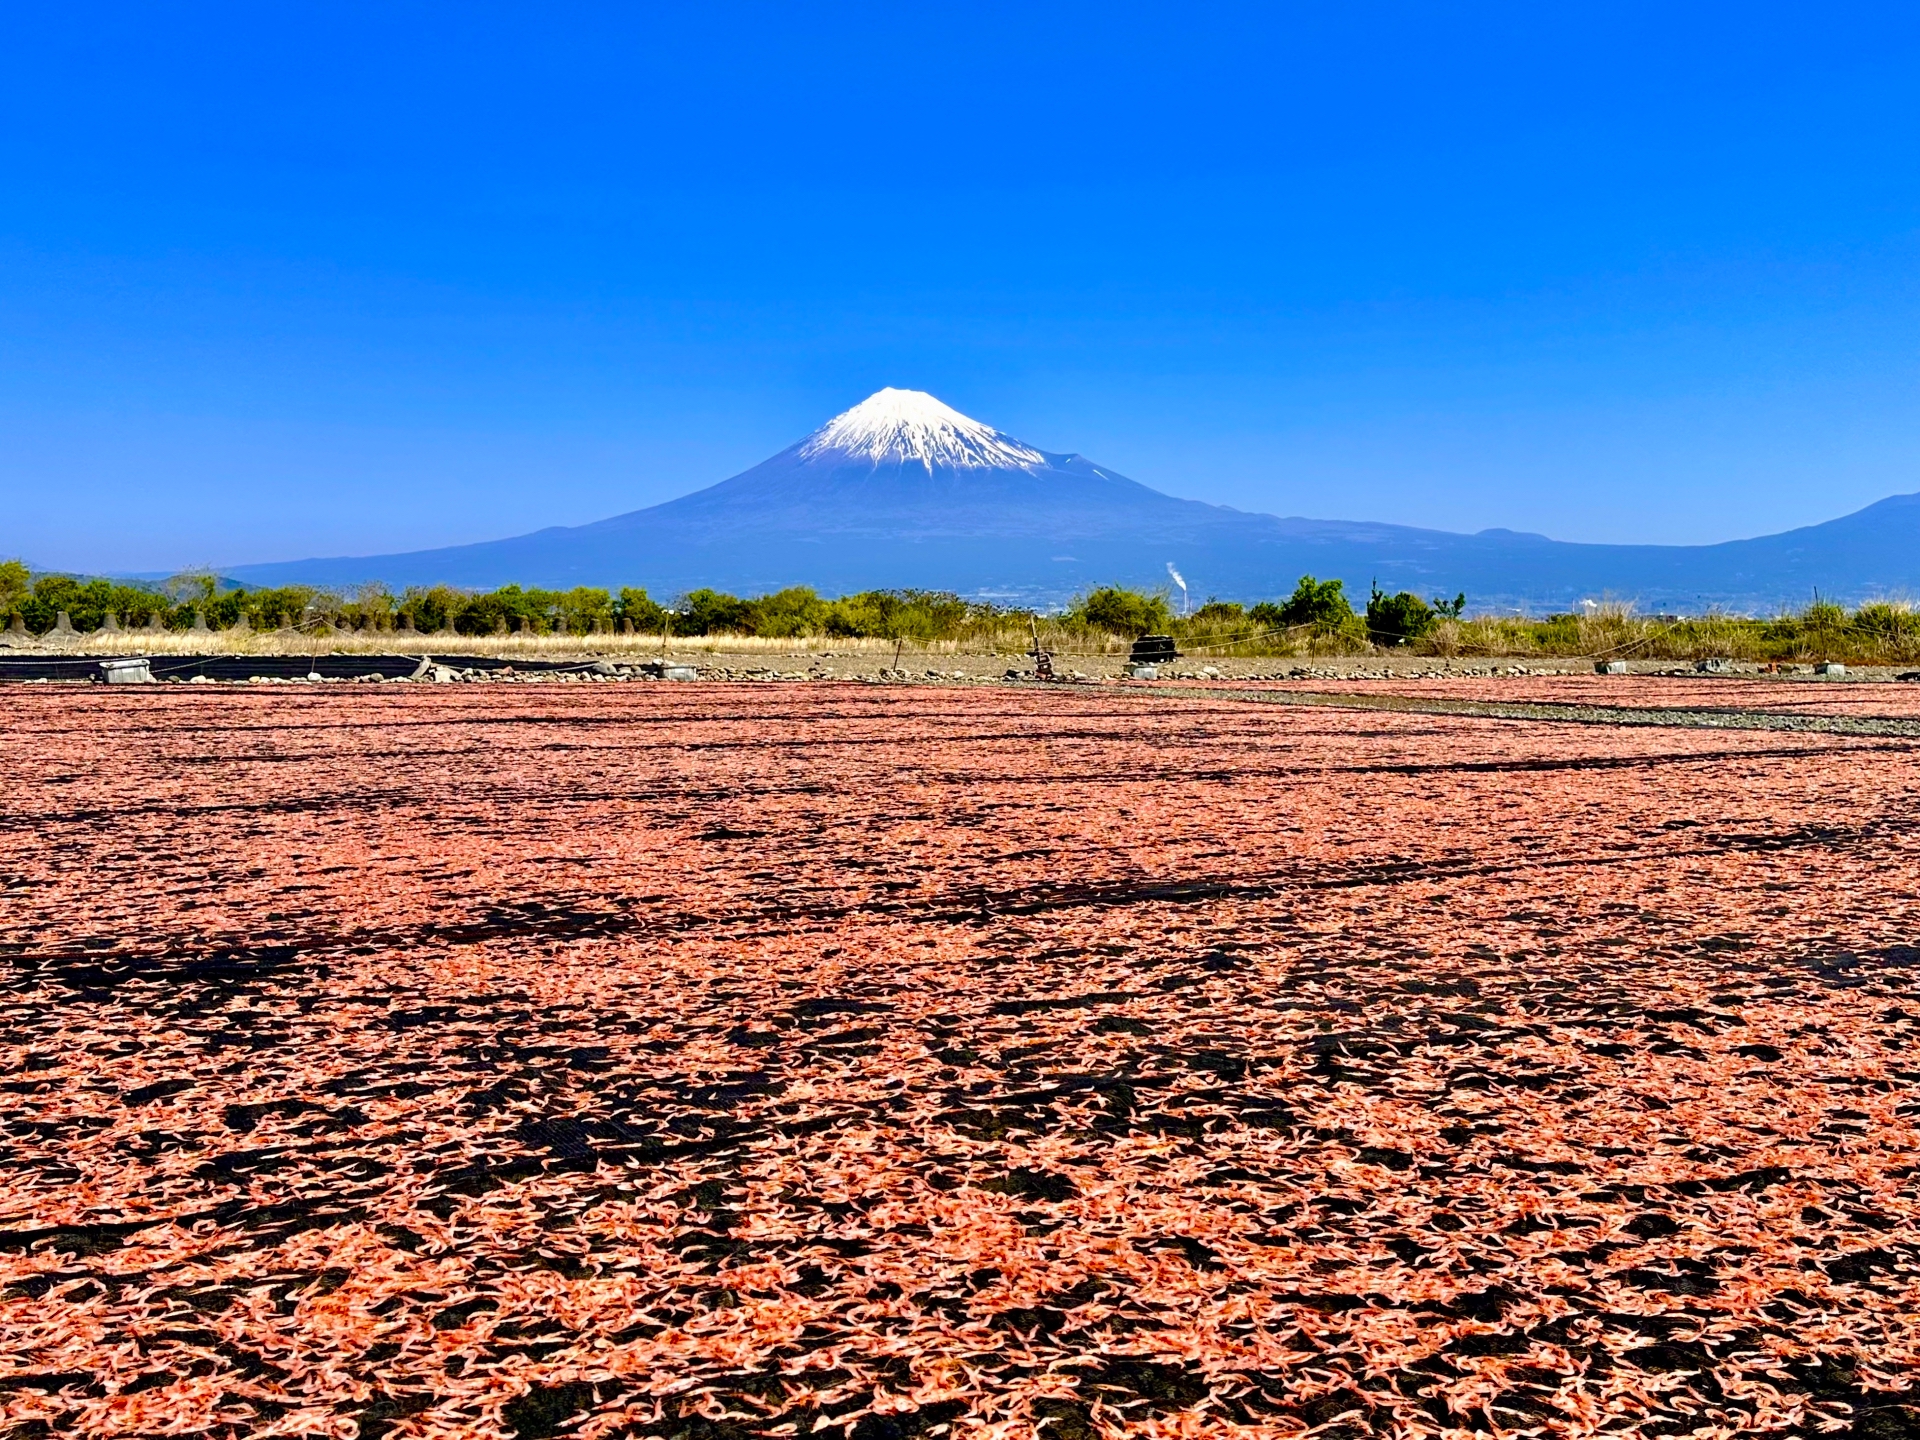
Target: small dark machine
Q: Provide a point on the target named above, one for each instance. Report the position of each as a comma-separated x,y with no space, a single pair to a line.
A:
1153,650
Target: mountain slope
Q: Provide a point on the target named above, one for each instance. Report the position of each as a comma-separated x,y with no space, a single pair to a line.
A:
902,491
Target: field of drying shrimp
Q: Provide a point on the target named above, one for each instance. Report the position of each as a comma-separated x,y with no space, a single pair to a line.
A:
718,1061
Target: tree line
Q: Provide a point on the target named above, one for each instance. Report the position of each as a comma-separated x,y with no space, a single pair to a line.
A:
1318,607
1316,617
181,602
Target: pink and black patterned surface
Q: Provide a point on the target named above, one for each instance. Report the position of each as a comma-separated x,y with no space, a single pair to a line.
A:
718,1061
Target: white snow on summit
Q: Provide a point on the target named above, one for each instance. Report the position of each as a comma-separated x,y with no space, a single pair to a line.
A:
910,425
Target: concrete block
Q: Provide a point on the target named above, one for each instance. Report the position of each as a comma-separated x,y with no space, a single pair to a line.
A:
131,671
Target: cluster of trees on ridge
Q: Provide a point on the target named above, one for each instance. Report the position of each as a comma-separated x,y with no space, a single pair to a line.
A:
1316,618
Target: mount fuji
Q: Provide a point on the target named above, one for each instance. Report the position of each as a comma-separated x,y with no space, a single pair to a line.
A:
902,491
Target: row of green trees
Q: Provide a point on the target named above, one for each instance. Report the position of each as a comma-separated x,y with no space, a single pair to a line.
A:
1316,609
1317,617
918,615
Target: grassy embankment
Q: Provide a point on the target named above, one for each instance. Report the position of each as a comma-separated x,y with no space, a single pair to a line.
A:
1316,619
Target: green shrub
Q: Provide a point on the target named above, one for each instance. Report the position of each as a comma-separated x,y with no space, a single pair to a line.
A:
1560,633
1397,619
271,609
16,584
432,608
1317,605
709,612
583,610
89,602
639,608
500,612
1118,611
918,615
1893,624
224,612
1823,615
1218,613
786,614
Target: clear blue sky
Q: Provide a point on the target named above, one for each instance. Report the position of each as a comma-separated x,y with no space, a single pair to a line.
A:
283,280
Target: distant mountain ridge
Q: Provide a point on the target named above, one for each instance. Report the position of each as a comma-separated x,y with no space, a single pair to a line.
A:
902,491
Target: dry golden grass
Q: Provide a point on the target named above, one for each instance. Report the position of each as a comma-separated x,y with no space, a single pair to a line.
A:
532,647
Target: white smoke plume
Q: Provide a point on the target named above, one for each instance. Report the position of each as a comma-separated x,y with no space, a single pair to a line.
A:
1181,583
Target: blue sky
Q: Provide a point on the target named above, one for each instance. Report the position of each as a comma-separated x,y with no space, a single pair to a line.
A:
289,280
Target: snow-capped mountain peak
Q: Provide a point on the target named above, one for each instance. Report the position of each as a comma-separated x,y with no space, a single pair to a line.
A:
910,426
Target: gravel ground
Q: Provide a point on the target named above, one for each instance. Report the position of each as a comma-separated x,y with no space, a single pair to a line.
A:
714,661
1677,710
